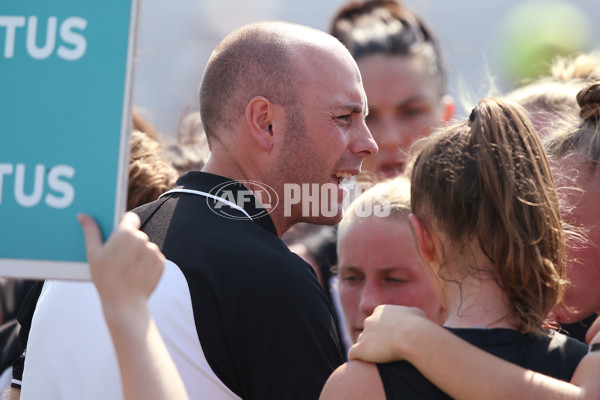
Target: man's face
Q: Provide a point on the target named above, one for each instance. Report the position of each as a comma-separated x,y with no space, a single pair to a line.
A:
327,138
583,257
404,104
378,263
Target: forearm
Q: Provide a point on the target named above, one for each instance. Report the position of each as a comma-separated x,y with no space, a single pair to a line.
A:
11,394
147,370
587,376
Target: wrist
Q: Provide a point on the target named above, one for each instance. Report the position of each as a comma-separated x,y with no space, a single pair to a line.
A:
412,341
119,312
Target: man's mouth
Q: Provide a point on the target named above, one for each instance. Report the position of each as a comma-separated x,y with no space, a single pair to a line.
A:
340,176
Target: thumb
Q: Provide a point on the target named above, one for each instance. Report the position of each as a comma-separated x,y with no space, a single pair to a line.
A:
91,234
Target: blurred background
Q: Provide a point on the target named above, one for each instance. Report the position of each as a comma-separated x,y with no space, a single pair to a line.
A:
490,46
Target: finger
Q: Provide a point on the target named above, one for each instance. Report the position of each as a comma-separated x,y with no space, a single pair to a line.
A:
130,220
91,234
354,352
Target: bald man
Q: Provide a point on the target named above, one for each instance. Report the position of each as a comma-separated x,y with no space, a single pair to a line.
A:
243,317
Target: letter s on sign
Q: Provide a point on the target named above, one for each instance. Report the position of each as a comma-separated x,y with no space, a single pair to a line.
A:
70,37
60,186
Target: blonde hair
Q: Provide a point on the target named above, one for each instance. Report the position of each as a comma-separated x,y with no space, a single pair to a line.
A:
551,99
548,95
393,194
488,179
582,67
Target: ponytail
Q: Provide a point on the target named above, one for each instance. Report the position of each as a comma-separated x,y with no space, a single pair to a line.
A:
488,179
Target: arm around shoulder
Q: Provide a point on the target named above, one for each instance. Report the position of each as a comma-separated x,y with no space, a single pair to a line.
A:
354,380
392,330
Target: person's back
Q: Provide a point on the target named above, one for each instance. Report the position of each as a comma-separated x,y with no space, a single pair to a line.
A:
247,292
501,197
486,220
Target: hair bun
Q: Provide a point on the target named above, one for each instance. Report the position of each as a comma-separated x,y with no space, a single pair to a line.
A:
589,102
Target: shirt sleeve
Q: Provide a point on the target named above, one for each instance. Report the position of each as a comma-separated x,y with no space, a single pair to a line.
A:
280,331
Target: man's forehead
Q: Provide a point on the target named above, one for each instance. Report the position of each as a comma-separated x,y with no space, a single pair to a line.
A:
334,76
348,97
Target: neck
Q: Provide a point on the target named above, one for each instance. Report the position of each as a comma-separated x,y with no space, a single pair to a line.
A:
282,224
228,167
477,302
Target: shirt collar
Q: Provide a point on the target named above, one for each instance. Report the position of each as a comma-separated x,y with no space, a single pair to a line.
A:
210,183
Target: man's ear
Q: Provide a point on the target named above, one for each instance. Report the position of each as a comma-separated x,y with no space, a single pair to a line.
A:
424,237
259,118
449,108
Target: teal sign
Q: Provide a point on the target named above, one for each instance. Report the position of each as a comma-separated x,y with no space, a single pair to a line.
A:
65,77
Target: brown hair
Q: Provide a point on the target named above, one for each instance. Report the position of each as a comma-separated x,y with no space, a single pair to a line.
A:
191,151
387,27
488,179
584,138
150,172
141,124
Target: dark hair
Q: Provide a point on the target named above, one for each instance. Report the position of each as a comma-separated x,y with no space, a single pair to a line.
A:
387,27
488,179
253,61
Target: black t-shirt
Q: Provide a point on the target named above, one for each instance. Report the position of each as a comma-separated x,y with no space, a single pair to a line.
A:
12,294
264,323
556,356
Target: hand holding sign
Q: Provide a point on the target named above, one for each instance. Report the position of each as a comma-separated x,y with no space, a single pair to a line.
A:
126,268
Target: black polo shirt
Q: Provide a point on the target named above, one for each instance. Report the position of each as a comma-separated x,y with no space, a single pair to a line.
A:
263,321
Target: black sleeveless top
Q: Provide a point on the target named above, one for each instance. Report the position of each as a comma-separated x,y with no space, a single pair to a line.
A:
556,355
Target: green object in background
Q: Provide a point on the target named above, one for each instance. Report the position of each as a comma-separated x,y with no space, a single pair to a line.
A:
534,33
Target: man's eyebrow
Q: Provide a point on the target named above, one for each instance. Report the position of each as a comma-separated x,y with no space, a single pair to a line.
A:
357,108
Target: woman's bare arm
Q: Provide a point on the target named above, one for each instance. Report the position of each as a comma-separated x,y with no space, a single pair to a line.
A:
354,380
396,332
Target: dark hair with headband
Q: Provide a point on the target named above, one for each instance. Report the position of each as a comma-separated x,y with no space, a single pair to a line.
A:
387,27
